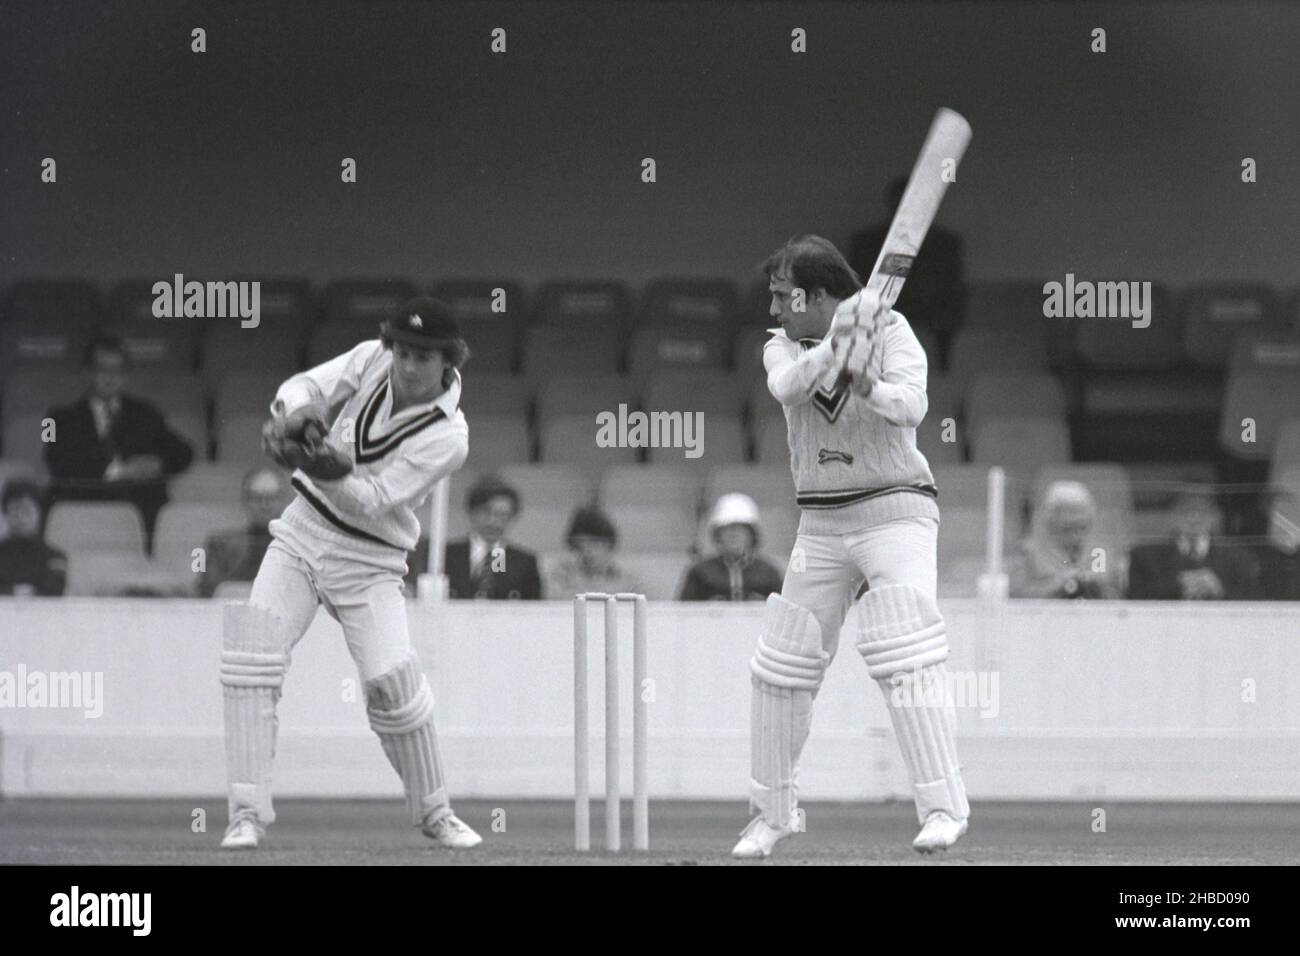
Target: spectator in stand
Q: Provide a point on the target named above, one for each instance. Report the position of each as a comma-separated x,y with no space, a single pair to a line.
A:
112,446
27,564
737,572
235,555
484,566
1057,560
1193,565
590,566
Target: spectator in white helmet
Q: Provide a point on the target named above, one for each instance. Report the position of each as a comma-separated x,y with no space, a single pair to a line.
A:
737,572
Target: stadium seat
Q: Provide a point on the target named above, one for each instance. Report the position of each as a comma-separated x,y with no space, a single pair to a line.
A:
1286,447
338,335
1263,387
558,485
368,301
239,438
159,343
226,347
21,437
761,403
654,527
571,439
976,350
1115,343
554,351
35,388
691,303
209,482
35,340
747,352
1020,445
587,395
247,391
582,305
493,335
1155,482
53,303
711,392
721,442
771,442
496,440
541,527
111,572
655,349
660,485
181,528
495,393
95,526
285,300
1214,314
1010,303
1014,393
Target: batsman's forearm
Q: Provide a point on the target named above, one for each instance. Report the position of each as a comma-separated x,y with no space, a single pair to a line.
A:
792,381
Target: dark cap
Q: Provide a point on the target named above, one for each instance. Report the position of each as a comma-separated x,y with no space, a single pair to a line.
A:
423,323
592,523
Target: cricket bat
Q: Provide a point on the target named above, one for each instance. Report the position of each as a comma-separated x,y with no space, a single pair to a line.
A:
935,169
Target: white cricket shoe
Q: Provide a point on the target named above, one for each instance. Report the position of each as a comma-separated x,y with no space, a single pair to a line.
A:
758,839
940,832
244,832
450,831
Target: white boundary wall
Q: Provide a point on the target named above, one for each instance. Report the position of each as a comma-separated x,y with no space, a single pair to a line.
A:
1094,700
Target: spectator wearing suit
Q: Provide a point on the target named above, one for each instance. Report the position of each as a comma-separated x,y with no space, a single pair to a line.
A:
111,446
27,564
1194,565
1056,560
737,572
485,566
235,555
590,565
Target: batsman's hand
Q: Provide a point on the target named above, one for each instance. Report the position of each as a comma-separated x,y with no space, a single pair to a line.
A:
298,441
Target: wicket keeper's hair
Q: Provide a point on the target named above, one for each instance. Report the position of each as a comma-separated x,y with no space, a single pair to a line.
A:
487,488
105,343
813,263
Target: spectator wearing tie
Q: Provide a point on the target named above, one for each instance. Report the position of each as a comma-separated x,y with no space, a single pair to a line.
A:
1193,565
737,572
485,566
112,446
27,564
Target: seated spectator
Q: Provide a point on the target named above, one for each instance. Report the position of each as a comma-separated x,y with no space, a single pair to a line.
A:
1193,565
737,572
484,566
27,564
235,555
1056,560
111,446
592,539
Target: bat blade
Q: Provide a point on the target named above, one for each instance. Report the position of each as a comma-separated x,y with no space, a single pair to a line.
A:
946,142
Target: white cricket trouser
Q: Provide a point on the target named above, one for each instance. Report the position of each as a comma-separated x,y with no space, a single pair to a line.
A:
826,570
359,584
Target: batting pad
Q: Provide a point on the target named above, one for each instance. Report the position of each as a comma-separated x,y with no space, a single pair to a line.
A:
400,706
254,657
787,670
905,644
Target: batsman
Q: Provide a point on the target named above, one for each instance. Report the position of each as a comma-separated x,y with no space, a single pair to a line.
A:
367,436
851,378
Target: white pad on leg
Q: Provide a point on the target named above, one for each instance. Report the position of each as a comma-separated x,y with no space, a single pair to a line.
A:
400,706
905,644
787,670
254,657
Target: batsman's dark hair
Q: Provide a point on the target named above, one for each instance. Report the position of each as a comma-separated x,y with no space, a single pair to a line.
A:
813,263
487,488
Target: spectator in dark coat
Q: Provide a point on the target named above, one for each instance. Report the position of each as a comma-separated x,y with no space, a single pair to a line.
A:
235,555
737,572
485,566
27,564
112,446
1194,565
